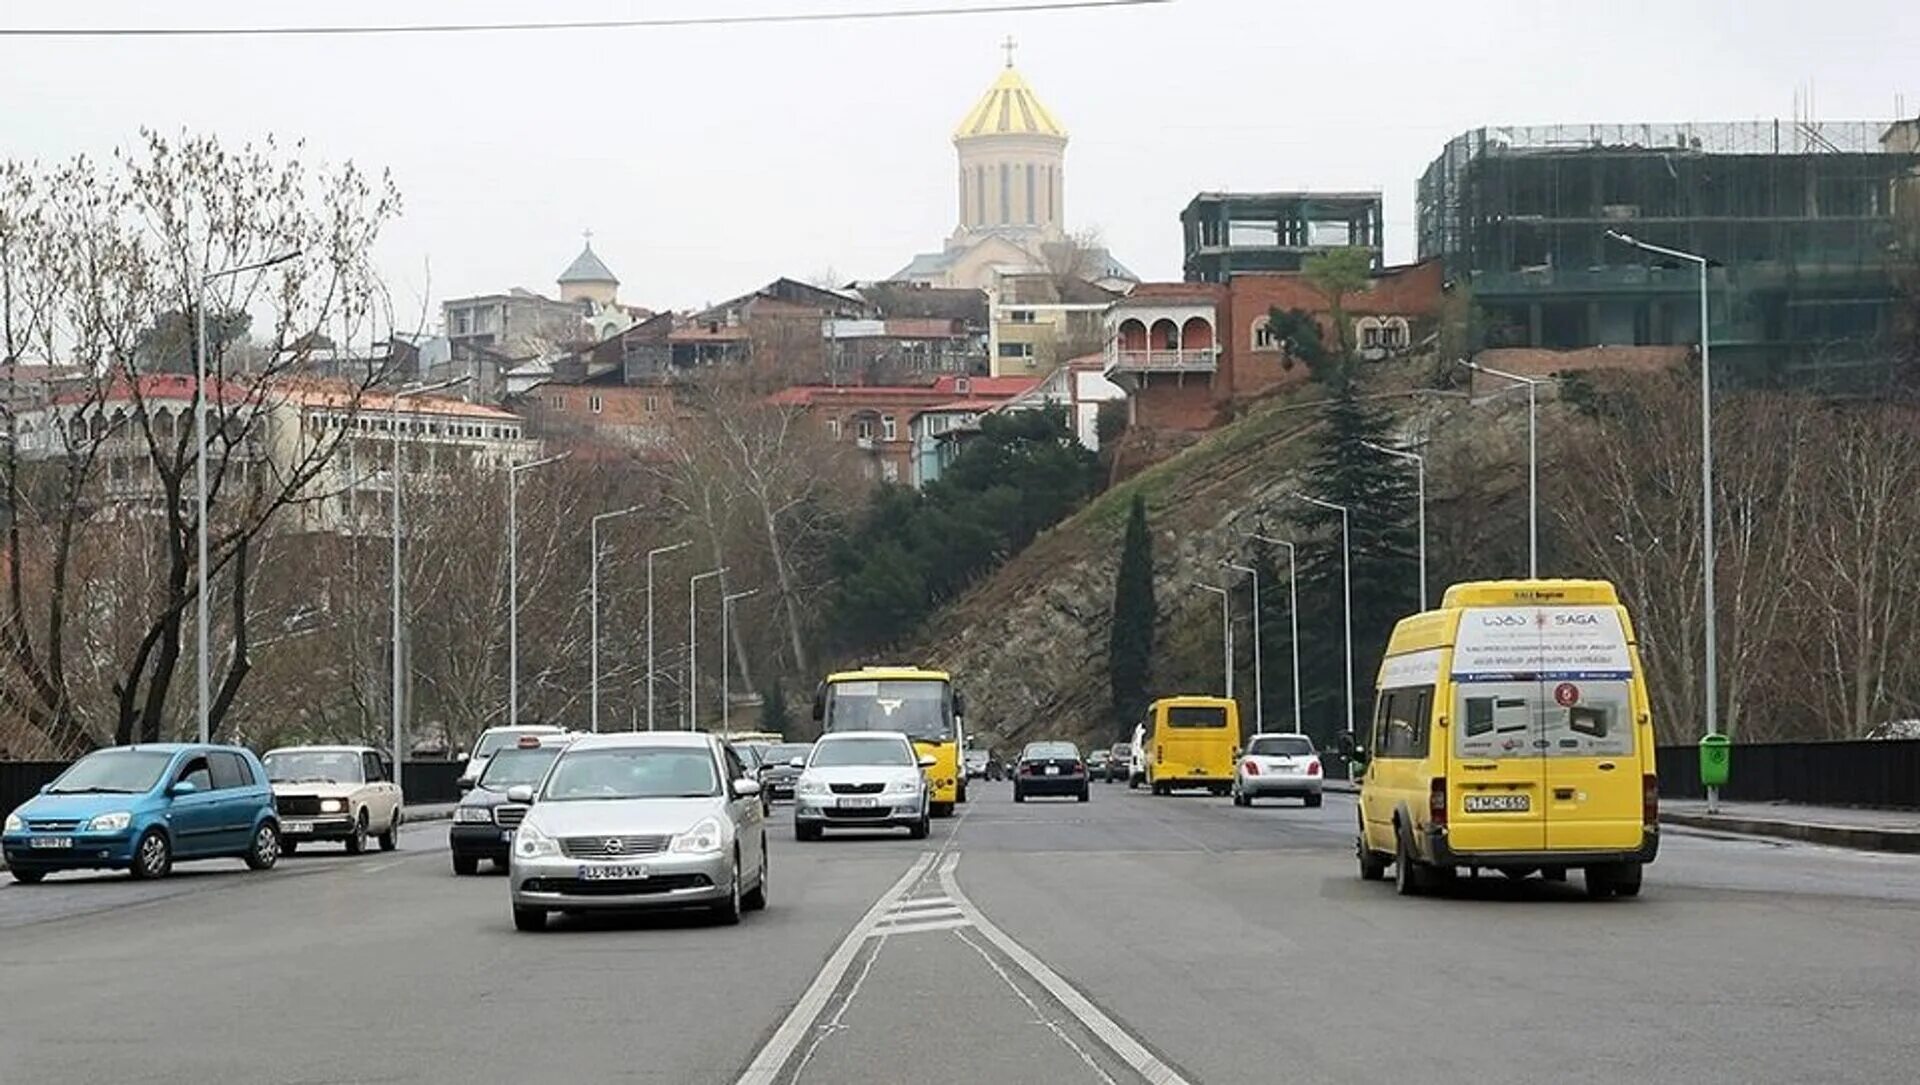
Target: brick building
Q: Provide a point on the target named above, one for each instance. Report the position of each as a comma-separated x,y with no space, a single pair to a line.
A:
879,420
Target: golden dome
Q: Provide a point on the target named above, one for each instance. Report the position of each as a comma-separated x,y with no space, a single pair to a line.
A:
1009,108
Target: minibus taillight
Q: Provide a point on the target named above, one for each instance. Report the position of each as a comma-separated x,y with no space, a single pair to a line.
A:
1649,799
1313,767
1437,801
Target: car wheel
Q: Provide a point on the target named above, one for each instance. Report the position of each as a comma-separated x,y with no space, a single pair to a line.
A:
28,877
1406,874
1019,795
1600,882
466,865
1313,800
756,898
943,809
390,839
529,919
1085,794
1626,880
727,912
265,849
153,856
1373,864
288,847
357,840
919,829
1133,782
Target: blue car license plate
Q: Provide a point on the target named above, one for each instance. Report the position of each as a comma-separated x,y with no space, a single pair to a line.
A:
51,842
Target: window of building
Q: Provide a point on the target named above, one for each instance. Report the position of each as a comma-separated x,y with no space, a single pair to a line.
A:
888,431
1370,337
863,429
1016,350
1021,316
1263,335
1006,194
963,386
653,403
594,404
980,194
558,403
833,428
1032,193
1050,211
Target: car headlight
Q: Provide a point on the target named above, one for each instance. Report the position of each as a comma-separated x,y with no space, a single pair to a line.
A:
332,806
115,822
15,825
810,787
904,787
531,843
470,814
703,839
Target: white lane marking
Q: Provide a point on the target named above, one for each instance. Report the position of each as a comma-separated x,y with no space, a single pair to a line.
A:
839,1016
923,902
1130,1050
921,927
1039,1016
766,1065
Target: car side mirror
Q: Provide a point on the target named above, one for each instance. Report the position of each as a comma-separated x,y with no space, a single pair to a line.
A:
461,757
44,788
182,787
960,705
927,762
797,763
520,793
746,788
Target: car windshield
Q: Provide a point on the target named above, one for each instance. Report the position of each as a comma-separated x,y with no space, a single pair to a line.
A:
511,768
916,708
118,772
862,751
785,752
1047,751
633,772
315,767
1282,746
495,741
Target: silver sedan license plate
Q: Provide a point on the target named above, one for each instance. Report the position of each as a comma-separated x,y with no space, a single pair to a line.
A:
1496,804
614,872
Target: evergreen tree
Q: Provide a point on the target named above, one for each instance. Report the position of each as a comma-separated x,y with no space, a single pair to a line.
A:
1380,495
774,717
1130,644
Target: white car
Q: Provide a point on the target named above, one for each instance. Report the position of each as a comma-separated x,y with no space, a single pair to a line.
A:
1137,764
1277,764
862,780
344,793
491,741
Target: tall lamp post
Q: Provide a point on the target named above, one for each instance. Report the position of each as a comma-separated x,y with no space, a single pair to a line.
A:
1226,634
1706,483
513,580
1259,684
1533,459
202,672
396,700
1293,617
1346,582
726,651
593,609
1420,468
693,645
651,554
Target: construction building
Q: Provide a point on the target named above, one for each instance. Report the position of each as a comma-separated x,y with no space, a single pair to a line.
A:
1232,232
1798,218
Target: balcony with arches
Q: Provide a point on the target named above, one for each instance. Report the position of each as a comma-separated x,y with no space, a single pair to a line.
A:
1161,338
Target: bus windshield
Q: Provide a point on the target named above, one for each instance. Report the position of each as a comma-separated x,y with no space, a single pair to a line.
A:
916,707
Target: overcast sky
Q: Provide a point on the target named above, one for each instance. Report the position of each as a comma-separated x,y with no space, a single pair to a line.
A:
707,161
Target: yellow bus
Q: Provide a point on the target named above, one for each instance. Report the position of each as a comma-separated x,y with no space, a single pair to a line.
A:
918,703
1190,742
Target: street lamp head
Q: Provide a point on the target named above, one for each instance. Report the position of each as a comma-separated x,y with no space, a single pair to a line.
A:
1623,238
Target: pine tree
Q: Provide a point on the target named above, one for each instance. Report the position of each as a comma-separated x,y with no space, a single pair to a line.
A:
1130,647
1380,496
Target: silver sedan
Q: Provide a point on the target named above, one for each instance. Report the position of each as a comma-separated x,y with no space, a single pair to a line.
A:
636,821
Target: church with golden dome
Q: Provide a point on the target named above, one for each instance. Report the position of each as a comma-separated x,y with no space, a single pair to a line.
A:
1011,190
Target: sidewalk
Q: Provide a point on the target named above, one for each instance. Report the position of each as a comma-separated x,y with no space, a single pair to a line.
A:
1836,826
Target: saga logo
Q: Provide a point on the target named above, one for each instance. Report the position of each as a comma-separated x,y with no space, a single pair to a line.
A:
1576,619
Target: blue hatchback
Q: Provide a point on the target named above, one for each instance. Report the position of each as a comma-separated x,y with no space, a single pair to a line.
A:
139,808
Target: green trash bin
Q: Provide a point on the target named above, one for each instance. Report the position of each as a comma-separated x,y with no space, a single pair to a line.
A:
1716,760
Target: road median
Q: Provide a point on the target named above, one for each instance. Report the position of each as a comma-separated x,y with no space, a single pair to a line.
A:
1858,830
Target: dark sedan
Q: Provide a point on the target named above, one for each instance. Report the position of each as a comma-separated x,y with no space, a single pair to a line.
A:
1050,768
777,774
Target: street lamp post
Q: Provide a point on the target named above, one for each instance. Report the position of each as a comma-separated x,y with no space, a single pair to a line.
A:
203,670
651,554
396,700
1293,618
1226,634
1706,485
1420,468
693,645
513,580
593,609
726,652
1259,683
1346,582
1533,460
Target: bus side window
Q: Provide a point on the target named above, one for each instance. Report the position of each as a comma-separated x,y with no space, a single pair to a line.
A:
1382,744
1422,723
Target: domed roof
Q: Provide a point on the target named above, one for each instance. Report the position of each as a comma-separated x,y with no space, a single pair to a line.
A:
1009,108
587,268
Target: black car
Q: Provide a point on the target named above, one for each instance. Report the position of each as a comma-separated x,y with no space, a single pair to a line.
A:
484,821
1050,768
777,774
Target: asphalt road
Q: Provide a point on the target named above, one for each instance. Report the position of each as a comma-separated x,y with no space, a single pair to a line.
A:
1128,939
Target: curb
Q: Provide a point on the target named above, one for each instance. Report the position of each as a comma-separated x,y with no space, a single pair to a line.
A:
1902,841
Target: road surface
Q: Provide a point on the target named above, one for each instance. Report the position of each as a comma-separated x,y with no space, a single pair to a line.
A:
1128,939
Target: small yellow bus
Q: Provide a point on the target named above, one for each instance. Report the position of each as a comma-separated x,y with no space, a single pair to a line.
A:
921,704
1189,742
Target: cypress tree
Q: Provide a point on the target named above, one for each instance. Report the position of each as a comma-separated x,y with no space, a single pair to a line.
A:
1130,647
773,710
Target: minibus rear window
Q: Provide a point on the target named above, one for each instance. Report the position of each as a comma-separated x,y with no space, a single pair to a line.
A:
1196,716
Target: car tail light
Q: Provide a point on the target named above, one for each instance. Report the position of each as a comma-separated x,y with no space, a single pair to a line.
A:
1026,768
1437,801
1075,768
1650,799
1252,767
1313,767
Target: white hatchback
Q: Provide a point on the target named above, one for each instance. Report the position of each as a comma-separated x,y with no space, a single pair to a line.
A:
1280,764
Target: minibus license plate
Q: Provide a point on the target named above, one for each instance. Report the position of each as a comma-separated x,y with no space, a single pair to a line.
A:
1497,804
